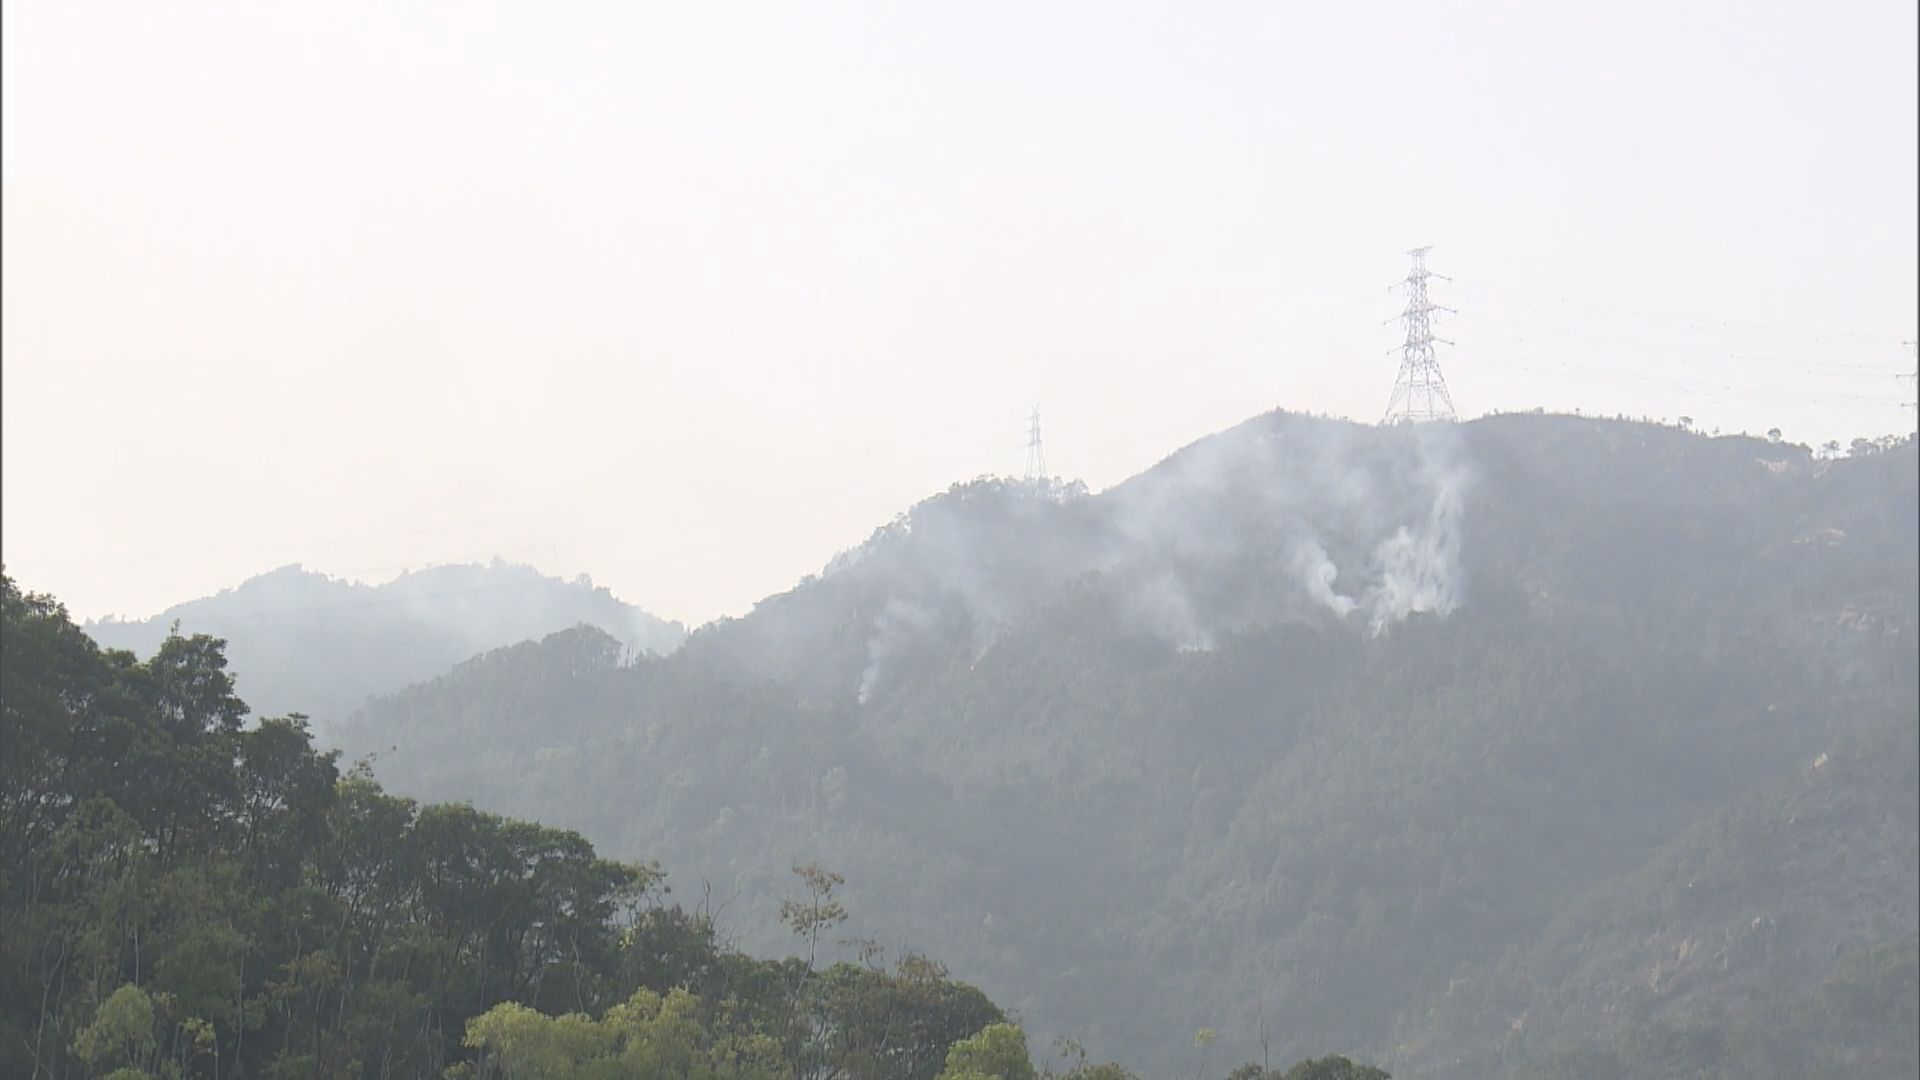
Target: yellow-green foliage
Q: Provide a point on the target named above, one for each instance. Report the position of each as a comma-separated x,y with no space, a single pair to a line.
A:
998,1052
647,1037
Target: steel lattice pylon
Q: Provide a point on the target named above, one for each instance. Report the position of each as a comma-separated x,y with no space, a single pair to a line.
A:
1420,392
1036,457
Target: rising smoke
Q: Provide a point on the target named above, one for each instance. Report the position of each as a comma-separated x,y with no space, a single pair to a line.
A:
898,625
1316,573
1417,569
1260,524
1389,501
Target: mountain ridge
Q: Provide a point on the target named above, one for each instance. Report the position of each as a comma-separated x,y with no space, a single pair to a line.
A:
1131,756
306,642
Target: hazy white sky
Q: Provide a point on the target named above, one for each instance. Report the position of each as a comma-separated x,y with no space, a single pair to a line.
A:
691,296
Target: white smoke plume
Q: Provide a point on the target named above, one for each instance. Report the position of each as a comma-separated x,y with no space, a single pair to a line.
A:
1316,573
1162,608
1184,549
1418,568
894,630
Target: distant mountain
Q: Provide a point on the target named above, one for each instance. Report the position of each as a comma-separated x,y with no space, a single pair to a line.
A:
303,641
1532,746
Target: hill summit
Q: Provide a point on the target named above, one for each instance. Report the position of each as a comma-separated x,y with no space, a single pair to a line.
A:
305,642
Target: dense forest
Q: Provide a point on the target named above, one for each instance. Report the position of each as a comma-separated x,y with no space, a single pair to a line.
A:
302,641
188,893
1532,746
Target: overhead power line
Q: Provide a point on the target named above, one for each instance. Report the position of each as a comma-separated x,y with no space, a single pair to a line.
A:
1914,348
1850,370
1698,388
1701,322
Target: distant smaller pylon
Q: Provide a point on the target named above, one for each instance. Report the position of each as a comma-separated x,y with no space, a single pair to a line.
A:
1036,457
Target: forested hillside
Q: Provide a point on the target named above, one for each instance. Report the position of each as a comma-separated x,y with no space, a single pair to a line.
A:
304,642
184,893
1521,746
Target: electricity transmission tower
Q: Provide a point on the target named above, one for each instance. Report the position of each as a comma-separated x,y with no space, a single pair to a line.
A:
1036,457
1419,393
